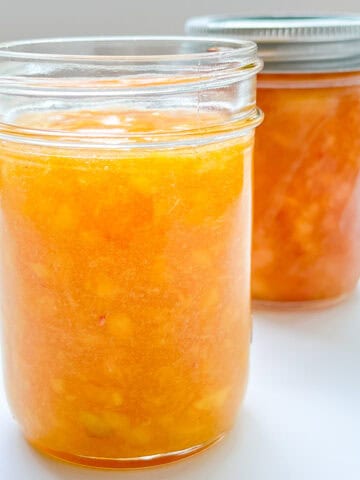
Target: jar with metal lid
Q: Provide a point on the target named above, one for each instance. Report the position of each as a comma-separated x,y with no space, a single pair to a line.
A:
306,239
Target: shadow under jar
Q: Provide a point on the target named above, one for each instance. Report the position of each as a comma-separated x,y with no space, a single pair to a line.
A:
125,200
306,239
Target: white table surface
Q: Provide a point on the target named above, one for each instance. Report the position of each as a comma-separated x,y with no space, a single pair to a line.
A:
300,420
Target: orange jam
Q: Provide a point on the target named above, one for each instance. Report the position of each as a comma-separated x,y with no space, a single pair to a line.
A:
125,278
307,187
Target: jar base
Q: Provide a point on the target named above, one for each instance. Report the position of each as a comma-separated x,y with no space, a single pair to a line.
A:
125,463
270,305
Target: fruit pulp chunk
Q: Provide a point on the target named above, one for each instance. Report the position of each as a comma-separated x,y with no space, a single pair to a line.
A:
306,240
126,289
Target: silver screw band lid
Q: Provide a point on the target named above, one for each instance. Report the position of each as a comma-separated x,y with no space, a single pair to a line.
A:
292,44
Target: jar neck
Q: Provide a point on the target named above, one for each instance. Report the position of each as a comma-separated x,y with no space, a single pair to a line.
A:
202,77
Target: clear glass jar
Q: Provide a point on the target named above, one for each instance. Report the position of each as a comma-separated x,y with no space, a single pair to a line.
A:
125,199
306,239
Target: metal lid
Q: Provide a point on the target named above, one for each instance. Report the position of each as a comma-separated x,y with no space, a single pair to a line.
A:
293,44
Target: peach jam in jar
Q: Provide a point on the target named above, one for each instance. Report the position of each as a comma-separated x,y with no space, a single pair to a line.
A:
125,216
306,239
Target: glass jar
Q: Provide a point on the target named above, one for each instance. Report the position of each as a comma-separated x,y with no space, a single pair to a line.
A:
125,199
306,240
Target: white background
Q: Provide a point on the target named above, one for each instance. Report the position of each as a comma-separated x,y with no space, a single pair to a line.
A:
39,18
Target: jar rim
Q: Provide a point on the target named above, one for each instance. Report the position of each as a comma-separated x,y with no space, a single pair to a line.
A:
225,48
97,66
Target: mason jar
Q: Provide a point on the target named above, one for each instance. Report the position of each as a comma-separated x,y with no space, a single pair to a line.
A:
125,200
306,241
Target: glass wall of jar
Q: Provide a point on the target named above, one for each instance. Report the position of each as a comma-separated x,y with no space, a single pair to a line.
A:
306,240
125,198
